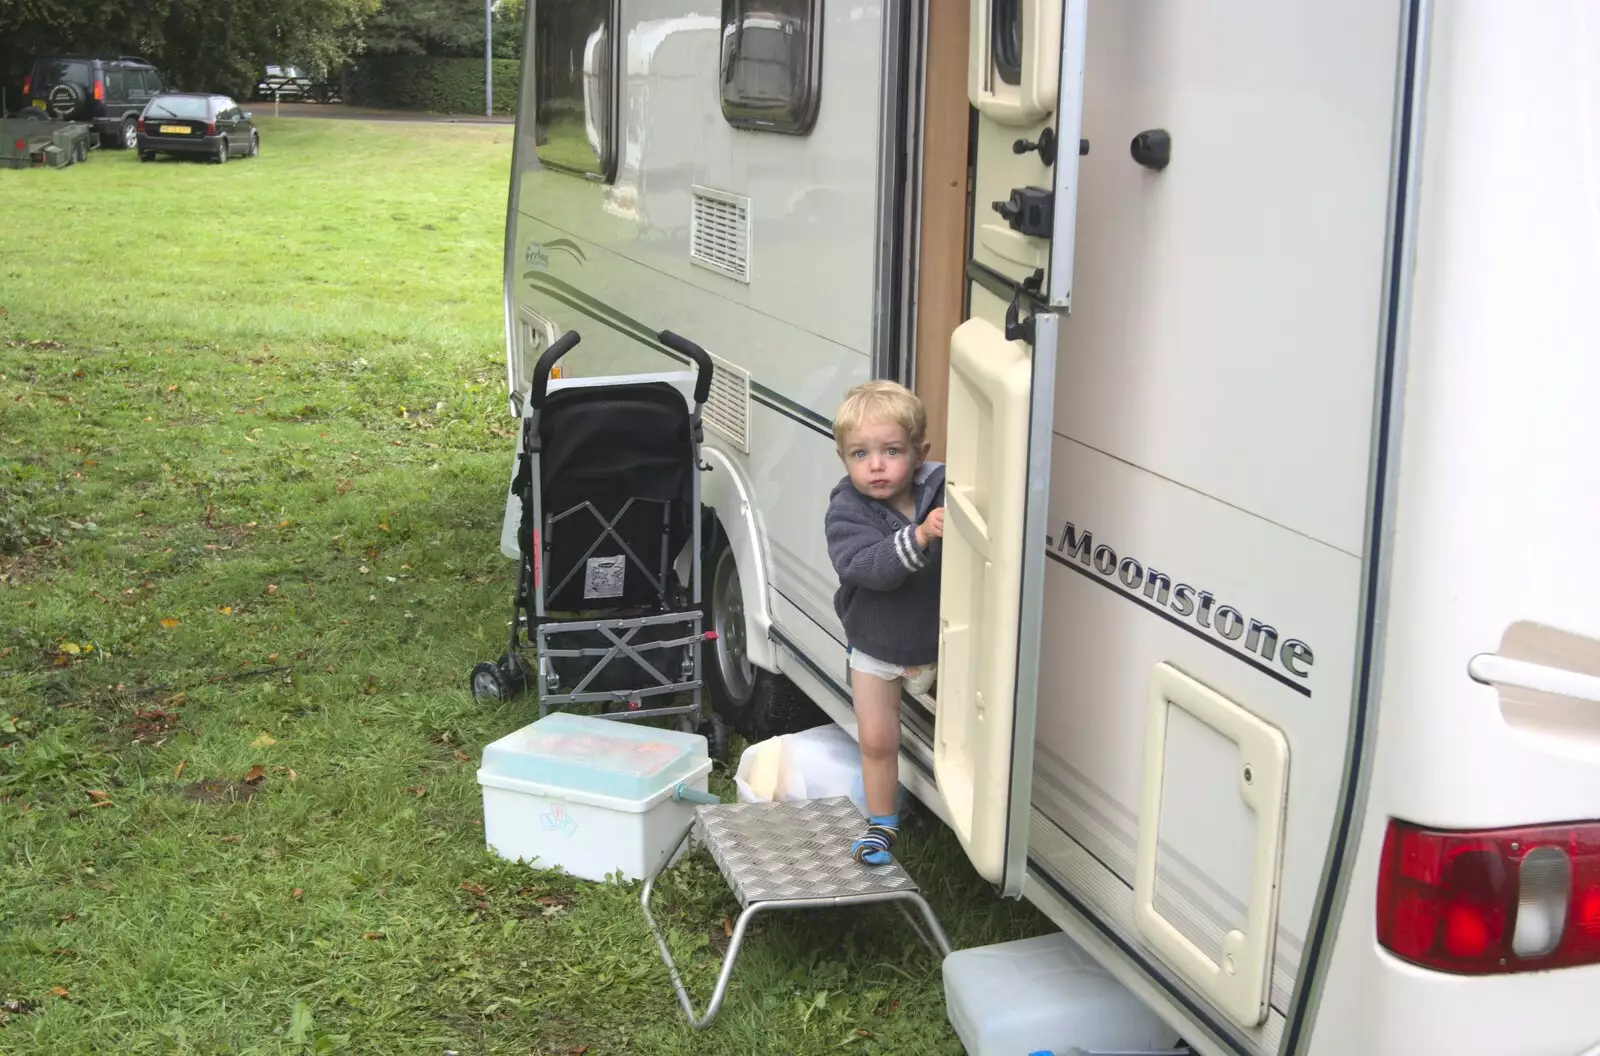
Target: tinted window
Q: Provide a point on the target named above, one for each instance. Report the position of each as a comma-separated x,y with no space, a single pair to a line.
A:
152,81
55,71
771,64
1005,40
116,85
187,107
574,63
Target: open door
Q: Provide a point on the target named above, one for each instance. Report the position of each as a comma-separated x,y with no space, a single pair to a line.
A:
1025,80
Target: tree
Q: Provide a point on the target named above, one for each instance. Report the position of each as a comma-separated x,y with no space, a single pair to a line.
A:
442,27
205,45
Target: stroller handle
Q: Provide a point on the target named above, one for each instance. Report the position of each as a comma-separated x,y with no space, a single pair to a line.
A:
702,361
541,371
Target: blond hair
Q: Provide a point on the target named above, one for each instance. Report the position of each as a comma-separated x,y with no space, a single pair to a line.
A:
881,402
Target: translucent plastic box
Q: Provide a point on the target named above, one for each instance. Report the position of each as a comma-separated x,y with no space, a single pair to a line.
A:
591,796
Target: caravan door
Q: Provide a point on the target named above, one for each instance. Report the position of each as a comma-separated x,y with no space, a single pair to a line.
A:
1026,88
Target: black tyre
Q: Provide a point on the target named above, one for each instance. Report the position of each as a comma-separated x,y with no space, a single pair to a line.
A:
147,155
129,134
255,145
221,157
757,703
715,731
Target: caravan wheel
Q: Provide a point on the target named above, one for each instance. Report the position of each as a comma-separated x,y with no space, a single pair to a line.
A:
757,703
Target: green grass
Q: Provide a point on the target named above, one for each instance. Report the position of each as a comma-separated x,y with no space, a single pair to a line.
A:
252,460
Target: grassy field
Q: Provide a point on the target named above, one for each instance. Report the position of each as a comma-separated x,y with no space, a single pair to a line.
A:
253,450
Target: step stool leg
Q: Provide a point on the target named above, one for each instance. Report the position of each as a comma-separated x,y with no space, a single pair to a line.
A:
933,936
728,959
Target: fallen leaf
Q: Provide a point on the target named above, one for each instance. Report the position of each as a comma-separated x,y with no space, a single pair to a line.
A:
272,588
177,771
283,524
579,1051
727,926
296,893
59,991
68,919
460,756
255,774
382,527
70,648
374,936
98,796
548,900
106,803
418,790
226,610
266,740
169,623
272,658
227,839
473,888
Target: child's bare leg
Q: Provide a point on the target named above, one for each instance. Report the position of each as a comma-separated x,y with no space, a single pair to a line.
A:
877,704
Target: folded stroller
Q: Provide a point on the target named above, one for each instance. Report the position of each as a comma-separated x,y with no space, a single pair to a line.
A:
608,481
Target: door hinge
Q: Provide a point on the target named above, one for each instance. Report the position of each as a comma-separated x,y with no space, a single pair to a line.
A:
1018,328
1029,210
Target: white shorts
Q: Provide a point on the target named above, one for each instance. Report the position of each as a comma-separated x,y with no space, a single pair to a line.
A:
918,680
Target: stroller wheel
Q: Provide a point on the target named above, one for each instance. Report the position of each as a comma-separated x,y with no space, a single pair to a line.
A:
715,731
489,683
516,673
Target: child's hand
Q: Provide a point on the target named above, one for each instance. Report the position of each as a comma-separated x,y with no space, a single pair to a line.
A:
931,528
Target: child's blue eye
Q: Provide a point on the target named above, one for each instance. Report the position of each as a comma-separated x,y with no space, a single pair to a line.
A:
893,452
858,453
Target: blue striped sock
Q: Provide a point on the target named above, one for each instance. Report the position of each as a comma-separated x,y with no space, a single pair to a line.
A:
873,846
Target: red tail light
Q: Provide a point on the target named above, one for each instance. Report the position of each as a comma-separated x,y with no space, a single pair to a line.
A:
27,85
211,128
1482,903
99,91
21,144
140,123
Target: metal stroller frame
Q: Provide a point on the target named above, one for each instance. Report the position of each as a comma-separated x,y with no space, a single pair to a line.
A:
640,640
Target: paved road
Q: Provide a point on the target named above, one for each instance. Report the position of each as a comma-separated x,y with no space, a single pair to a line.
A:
339,112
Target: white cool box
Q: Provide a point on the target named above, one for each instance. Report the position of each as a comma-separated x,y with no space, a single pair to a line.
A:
591,796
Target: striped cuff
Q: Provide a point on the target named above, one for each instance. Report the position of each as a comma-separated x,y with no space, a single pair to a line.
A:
905,548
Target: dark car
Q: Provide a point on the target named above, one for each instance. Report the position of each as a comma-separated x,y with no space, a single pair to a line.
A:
194,123
107,92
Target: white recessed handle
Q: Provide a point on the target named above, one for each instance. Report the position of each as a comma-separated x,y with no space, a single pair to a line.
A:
1494,670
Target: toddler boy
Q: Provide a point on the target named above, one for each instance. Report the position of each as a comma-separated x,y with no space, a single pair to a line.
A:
884,523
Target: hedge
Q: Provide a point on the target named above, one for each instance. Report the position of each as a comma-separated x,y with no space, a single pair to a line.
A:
437,85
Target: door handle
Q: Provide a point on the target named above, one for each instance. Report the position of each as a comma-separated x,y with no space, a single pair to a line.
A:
1492,669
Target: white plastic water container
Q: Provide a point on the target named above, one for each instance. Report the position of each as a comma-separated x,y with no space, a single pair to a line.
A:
1044,995
591,796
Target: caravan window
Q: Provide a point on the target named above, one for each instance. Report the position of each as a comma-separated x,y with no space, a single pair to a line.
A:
771,68
574,56
1005,39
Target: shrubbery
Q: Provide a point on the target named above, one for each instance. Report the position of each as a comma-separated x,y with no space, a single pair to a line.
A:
438,85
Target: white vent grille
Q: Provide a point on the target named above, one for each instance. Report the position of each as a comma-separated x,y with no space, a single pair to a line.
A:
719,233
727,409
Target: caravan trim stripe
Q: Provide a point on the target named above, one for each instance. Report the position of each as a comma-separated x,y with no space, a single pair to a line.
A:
602,312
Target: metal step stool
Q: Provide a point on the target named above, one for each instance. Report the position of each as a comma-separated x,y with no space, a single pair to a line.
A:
789,856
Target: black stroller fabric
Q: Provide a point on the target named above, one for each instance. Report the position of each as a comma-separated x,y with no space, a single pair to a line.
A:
605,447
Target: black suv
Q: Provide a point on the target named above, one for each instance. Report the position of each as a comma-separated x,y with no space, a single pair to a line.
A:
106,92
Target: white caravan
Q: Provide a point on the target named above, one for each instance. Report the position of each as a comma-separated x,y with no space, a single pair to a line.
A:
1259,342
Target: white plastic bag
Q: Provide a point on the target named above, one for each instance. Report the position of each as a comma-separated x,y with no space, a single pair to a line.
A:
819,763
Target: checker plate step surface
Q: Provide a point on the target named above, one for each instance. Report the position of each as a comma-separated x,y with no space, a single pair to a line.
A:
799,850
